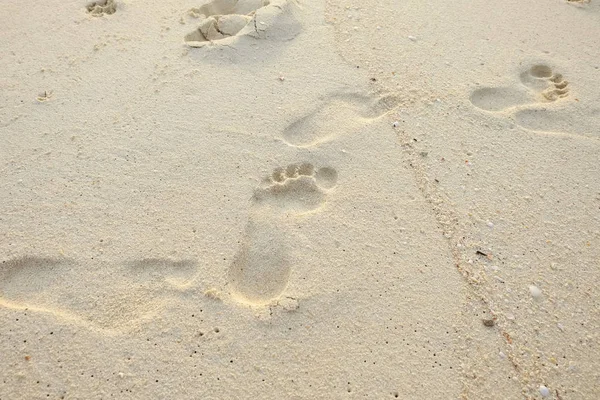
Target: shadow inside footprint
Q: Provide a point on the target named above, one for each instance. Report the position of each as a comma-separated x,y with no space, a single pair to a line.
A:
261,268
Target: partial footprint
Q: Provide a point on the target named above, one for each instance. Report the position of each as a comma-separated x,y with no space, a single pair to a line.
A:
179,274
27,280
261,268
529,104
114,301
574,120
539,84
224,20
102,7
340,113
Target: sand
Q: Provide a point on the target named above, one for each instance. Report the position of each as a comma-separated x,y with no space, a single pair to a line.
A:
300,199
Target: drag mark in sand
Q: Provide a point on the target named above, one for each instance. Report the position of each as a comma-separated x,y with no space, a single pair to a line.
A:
261,268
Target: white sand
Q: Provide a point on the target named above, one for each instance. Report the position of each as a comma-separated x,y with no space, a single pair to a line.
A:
300,200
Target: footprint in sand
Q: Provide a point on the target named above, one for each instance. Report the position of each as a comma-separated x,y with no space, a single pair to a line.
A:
351,110
113,300
261,268
539,84
222,21
533,104
102,7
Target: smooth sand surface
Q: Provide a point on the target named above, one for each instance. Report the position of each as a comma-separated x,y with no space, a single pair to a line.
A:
300,199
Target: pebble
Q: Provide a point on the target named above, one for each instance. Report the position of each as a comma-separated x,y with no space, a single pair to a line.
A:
396,124
535,291
414,39
544,391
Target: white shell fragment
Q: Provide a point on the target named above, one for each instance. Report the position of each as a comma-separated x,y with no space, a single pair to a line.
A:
535,291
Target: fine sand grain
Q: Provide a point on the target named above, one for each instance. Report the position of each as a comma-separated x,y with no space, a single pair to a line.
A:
285,199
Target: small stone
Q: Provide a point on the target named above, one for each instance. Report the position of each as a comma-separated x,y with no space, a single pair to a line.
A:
535,291
121,375
544,391
488,322
414,39
396,124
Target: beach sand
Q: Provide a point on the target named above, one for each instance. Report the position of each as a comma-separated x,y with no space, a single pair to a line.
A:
300,199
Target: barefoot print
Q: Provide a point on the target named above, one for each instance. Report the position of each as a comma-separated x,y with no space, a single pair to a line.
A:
261,268
538,84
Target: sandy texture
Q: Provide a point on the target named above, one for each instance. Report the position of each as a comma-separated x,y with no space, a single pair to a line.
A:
300,199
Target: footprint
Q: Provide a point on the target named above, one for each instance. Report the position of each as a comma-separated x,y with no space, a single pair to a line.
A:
116,300
221,21
179,274
532,104
350,110
539,84
102,7
261,268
